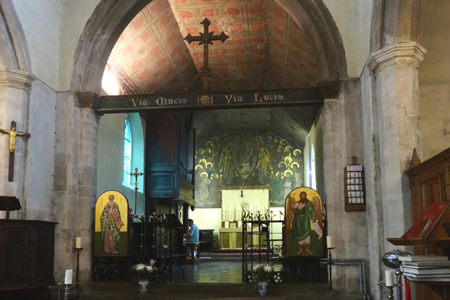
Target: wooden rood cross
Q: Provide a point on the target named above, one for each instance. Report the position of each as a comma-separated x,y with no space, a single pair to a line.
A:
206,38
12,146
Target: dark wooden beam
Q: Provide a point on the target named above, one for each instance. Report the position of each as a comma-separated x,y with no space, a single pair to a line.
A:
182,101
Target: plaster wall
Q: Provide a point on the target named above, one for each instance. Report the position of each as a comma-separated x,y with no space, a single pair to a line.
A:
110,158
41,21
52,30
74,15
352,17
14,95
41,154
434,79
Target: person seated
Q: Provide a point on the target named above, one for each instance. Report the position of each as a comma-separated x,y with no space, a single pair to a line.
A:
192,237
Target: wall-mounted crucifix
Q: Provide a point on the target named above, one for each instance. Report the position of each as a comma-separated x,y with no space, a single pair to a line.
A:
206,38
12,146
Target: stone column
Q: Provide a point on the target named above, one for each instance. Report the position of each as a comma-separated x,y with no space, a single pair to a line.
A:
87,186
331,161
75,181
396,93
15,88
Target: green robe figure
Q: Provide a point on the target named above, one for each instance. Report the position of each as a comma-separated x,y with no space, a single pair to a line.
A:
299,234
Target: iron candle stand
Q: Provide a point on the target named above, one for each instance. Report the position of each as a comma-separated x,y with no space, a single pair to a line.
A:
333,291
390,292
78,262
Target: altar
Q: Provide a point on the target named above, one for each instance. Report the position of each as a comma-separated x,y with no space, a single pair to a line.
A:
234,202
231,238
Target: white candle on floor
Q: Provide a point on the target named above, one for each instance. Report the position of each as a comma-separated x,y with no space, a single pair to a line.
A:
68,279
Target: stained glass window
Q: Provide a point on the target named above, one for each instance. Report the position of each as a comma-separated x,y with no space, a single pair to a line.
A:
127,151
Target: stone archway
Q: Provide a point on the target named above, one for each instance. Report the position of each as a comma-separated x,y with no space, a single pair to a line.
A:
14,50
395,21
94,47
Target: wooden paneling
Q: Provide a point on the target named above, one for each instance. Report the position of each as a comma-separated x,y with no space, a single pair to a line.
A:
428,185
27,252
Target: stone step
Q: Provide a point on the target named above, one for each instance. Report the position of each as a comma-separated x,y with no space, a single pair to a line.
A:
170,291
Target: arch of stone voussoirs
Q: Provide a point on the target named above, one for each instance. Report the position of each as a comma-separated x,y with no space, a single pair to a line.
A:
112,16
13,47
395,21
323,35
99,36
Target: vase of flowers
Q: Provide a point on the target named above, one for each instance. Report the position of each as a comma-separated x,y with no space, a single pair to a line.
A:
143,273
262,275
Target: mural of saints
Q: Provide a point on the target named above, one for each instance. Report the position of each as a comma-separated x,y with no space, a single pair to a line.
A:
249,157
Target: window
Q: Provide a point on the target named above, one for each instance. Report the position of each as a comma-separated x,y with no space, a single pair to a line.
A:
127,151
313,169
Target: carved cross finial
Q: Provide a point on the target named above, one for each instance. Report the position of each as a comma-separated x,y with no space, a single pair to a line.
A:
136,174
206,38
415,159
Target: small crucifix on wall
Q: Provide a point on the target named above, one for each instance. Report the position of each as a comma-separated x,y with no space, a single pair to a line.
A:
12,146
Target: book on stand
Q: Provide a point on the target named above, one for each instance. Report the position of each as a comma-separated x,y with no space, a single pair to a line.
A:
426,264
427,220
426,271
416,258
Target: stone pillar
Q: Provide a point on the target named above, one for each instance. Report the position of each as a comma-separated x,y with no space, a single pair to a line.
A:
75,181
374,207
331,161
396,93
15,88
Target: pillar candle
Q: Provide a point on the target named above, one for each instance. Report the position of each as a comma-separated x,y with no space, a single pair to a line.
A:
330,241
389,278
78,242
68,279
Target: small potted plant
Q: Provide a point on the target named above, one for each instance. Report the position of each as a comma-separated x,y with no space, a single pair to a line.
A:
143,273
262,273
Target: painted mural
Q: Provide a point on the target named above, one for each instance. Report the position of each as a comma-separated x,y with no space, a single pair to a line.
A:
246,158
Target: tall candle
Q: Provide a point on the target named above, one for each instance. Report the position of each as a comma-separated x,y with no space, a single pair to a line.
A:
68,279
330,241
389,278
78,242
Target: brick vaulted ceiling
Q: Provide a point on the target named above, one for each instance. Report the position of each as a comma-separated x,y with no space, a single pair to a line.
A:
266,49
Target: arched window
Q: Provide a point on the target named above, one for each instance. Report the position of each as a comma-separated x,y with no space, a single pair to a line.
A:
127,151
313,169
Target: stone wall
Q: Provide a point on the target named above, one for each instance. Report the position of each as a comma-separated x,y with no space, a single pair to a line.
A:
434,79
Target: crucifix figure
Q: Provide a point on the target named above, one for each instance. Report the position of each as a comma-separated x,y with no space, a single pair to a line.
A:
12,146
136,174
205,38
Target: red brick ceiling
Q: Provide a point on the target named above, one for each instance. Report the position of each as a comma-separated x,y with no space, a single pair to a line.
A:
266,49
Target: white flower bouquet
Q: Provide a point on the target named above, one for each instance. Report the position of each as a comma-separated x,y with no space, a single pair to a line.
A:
144,272
262,272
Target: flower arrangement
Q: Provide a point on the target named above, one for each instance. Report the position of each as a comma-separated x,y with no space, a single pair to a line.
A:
262,272
144,272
